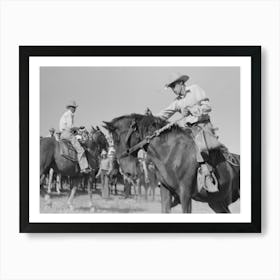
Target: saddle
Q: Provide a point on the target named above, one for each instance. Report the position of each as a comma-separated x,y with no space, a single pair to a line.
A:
206,139
67,150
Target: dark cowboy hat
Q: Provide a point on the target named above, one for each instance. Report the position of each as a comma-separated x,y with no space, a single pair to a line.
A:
174,81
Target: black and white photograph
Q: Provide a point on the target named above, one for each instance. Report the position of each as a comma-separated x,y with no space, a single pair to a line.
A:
83,153
139,138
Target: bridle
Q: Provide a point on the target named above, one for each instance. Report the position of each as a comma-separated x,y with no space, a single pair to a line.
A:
133,128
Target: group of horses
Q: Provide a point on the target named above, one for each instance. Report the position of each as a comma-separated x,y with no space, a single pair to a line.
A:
171,152
57,170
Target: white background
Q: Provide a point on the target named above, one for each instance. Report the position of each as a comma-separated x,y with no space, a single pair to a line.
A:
138,256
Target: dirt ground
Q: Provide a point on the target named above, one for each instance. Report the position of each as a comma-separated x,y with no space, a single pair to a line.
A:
117,204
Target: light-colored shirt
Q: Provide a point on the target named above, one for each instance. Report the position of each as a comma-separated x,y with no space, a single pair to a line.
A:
105,164
194,106
66,121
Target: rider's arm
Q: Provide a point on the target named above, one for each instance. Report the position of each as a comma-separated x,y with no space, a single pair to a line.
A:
202,106
169,111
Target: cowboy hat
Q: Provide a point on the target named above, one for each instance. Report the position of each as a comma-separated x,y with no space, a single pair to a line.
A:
51,129
72,104
176,79
103,153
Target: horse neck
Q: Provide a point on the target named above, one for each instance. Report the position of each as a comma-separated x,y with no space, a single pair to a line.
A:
167,143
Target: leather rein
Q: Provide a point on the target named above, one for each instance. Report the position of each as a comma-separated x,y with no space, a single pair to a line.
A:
146,141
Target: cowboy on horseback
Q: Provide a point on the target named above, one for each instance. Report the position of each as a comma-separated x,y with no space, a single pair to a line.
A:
67,129
193,104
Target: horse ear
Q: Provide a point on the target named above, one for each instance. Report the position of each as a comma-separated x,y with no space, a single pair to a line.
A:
109,126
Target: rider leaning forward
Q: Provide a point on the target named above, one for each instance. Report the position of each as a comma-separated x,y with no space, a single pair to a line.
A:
192,102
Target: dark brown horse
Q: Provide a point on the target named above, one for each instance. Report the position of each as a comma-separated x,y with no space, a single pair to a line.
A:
50,157
173,153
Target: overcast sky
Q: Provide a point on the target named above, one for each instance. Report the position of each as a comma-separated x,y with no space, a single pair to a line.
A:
104,93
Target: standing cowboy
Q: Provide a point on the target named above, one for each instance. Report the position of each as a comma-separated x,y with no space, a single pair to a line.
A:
104,171
66,127
142,158
192,102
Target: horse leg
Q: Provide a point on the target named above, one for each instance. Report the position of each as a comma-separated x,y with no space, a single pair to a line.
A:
50,180
219,207
126,189
147,186
58,183
89,190
139,188
165,200
43,192
153,188
186,204
186,198
95,182
71,195
42,180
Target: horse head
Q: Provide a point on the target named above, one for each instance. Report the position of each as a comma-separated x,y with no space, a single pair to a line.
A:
98,141
128,131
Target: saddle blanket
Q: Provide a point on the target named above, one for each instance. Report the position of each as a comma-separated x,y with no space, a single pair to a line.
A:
67,150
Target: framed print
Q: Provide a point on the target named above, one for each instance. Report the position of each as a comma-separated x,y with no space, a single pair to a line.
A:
140,138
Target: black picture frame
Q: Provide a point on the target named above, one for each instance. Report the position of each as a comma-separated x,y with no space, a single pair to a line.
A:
254,52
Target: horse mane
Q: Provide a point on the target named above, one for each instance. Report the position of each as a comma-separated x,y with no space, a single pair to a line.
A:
147,124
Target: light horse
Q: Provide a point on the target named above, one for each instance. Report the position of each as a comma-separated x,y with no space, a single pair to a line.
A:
50,157
173,153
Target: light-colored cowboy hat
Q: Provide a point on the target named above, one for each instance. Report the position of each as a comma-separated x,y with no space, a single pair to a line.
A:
72,104
51,129
103,153
175,79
